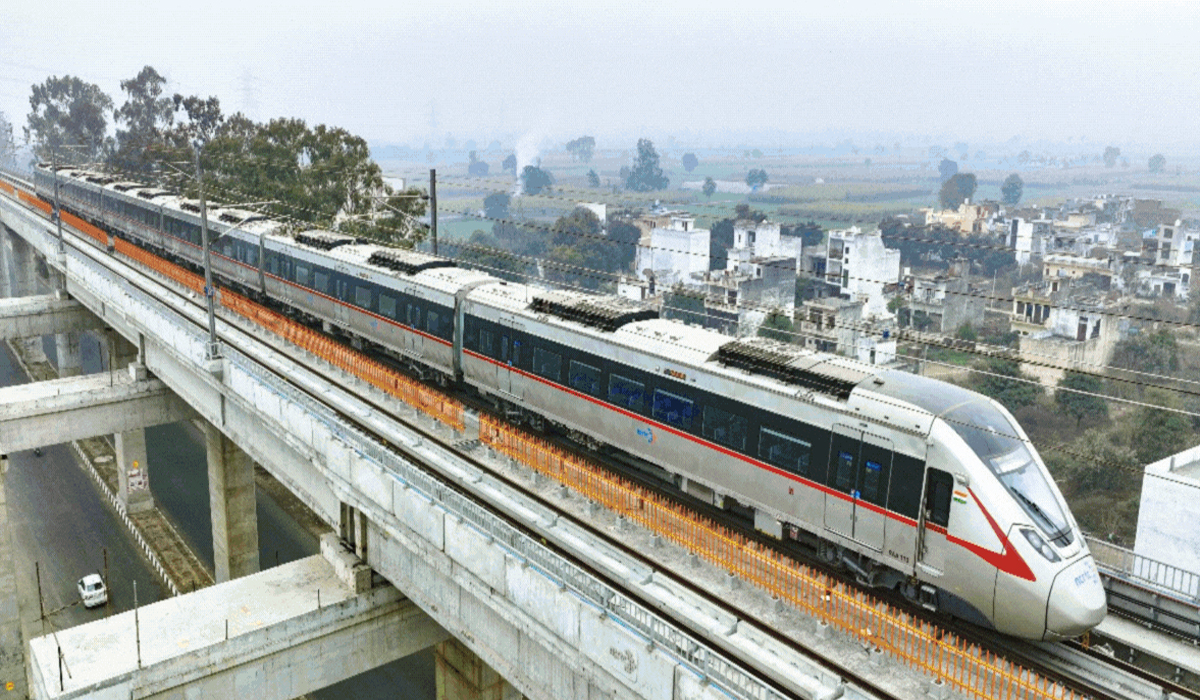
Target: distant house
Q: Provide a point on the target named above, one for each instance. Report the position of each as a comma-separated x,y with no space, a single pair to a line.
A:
1063,326
859,267
944,299
966,219
672,251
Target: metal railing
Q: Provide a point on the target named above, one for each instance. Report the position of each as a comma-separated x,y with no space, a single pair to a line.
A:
966,667
1125,564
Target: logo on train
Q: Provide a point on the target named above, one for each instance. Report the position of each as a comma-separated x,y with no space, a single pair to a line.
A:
646,433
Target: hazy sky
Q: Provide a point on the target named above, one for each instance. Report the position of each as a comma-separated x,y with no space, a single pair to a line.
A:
1126,72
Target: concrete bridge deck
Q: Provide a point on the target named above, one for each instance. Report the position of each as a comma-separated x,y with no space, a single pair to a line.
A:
274,635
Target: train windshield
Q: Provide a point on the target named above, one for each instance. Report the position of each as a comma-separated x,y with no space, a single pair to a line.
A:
998,444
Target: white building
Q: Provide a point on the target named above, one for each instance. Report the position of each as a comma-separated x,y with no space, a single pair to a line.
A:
675,253
860,267
1166,528
761,240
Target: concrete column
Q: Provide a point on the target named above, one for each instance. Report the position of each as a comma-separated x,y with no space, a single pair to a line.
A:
234,517
12,640
6,255
66,345
461,675
24,282
133,467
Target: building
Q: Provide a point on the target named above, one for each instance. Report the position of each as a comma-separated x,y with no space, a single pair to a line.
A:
762,240
1166,527
945,300
968,218
1063,328
859,267
1058,267
673,251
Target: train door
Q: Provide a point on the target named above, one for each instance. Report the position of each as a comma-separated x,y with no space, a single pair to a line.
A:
935,519
861,465
415,320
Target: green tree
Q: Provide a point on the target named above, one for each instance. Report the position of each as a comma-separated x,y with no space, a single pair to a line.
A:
1153,353
1111,154
756,178
509,164
593,178
966,332
495,206
710,186
477,167
1003,381
1159,432
778,326
68,112
1157,163
1077,396
947,169
646,175
8,147
689,162
958,189
581,149
1012,189
534,179
579,250
483,251
146,115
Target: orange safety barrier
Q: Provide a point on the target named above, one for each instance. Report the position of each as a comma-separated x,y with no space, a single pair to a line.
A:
7,187
412,392
967,668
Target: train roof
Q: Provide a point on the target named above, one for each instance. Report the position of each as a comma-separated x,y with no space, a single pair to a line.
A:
926,394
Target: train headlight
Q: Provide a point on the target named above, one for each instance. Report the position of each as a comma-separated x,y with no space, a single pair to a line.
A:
1040,545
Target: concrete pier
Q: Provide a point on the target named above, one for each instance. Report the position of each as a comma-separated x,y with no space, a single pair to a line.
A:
44,314
25,284
231,496
462,675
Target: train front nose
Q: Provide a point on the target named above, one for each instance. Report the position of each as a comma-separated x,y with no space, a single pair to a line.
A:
1077,601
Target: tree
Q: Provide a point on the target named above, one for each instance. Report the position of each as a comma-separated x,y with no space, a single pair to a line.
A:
509,164
1152,353
534,179
646,175
68,112
966,332
710,186
495,206
8,147
1110,156
743,212
958,189
689,161
146,115
593,178
483,251
947,169
1159,432
777,326
1157,163
581,148
756,178
477,167
1003,380
1076,396
720,240
1012,189
579,250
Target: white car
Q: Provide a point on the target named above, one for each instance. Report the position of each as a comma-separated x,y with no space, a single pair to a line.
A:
92,590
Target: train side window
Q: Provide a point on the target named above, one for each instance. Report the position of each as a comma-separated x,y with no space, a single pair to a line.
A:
724,428
271,262
321,281
387,306
870,481
431,322
845,470
584,378
783,451
547,364
516,353
626,393
302,275
362,296
487,343
504,348
939,489
673,410
414,316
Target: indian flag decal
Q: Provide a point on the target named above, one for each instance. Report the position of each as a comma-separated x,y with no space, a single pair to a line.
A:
960,497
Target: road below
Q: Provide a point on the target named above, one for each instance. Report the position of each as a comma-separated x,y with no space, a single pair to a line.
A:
60,522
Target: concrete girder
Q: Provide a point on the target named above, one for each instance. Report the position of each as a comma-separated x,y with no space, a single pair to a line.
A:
62,410
274,635
46,314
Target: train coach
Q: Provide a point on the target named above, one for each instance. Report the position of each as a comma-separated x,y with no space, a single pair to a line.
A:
907,482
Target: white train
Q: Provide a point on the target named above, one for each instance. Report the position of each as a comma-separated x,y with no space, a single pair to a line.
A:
908,482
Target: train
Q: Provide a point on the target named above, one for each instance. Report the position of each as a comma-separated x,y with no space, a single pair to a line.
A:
905,482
